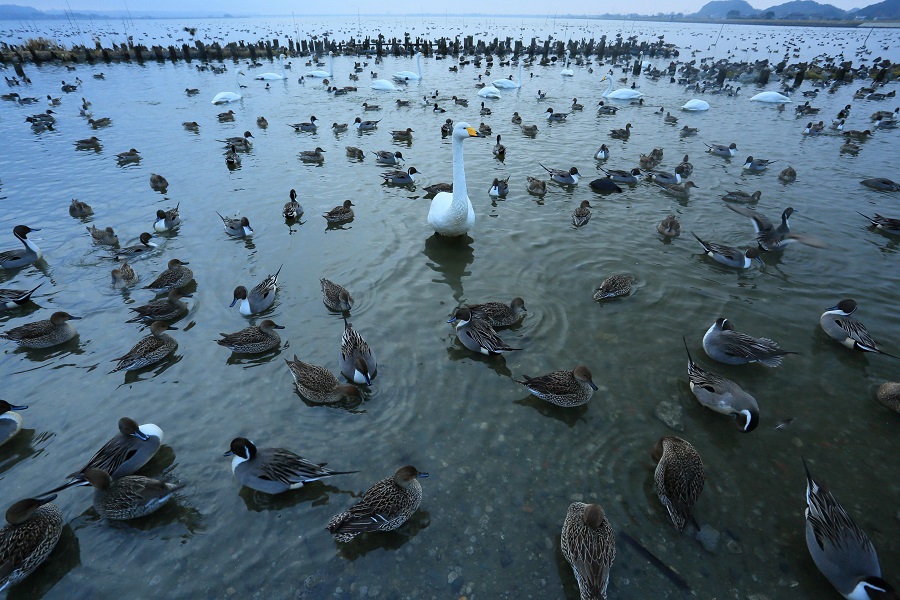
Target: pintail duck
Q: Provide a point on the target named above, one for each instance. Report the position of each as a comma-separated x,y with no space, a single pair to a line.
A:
621,134
340,214
91,143
354,152
386,157
403,103
307,126
558,117
33,528
336,297
499,150
402,134
606,109
79,209
262,122
626,177
365,125
13,259
292,209
614,286
51,101
666,178
317,384
461,101
447,127
485,111
253,340
11,298
884,223
722,395
722,343
130,157
384,507
569,177
191,125
516,119
138,249
729,256
232,159
175,276
357,361
477,335
436,188
242,142
602,153
588,544
124,275
536,187
10,422
43,334
576,105
167,220
837,125
339,127
400,177
484,129
582,214
688,131
562,388
498,314
679,478
370,107
757,165
669,227
679,190
129,497
149,350
770,237
312,156
841,550
158,183
260,298
857,135
170,308
226,117
741,196
840,325
236,227
669,118
106,236
877,183
722,150
529,129
686,166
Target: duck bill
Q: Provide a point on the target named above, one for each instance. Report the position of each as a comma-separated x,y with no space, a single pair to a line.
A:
593,385
229,453
233,302
15,407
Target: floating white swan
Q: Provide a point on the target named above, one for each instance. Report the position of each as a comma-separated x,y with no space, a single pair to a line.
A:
567,72
409,75
223,97
774,97
695,105
451,214
281,58
383,84
506,84
324,74
621,93
489,91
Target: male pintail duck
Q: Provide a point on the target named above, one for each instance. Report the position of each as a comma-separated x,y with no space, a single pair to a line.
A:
13,259
170,308
10,422
386,157
260,298
499,188
384,507
106,236
722,150
588,544
840,325
317,384
400,177
606,109
340,214
242,142
499,150
255,339
292,209
757,165
137,250
357,361
307,125
129,497
167,220
669,227
12,298
558,117
175,276
79,209
149,350
582,214
498,314
722,395
447,127
722,343
336,297
770,237
365,125
886,224
43,334
602,153
562,388
33,527
728,255
477,335
236,227
626,177
569,177
679,478
666,178
614,286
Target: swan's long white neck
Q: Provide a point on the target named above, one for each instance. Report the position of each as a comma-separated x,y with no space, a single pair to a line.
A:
281,60
520,76
330,64
567,60
460,193
419,64
608,87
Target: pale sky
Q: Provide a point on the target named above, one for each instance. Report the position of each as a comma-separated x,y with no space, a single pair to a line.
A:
408,7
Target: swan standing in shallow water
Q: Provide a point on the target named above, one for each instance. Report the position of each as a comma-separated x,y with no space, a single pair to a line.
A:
451,214
270,76
619,94
223,97
567,72
324,74
409,75
507,84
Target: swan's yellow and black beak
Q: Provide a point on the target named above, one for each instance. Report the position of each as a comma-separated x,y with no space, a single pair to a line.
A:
473,132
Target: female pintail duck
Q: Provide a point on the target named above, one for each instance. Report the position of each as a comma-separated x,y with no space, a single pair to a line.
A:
10,422
679,190
339,127
477,335
336,297
312,156
137,250
841,550
307,125
79,209
175,276
529,129
460,101
621,134
129,497
722,149
679,478
274,470
536,187
588,544
499,188
33,527
400,177
499,150
688,131
857,135
158,183
129,157
170,308
516,119
262,122
317,384
728,255
452,214
91,143
606,109
722,343
260,298
354,152
191,125
576,105
384,507
106,236
670,118
569,177
236,227
13,259
11,298
889,395
498,314
242,142
167,220
101,122
876,183
602,153
436,188
402,134
840,325
582,214
292,209
770,237
886,224
614,286
484,129
149,350
124,275
669,227
43,334
626,177
370,107
386,157
340,214
365,125
557,117
722,395
562,388
357,361
447,127
741,196
226,117
757,165
253,340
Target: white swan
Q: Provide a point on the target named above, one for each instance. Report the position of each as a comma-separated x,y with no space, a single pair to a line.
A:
507,84
567,72
223,97
695,105
451,214
621,93
409,75
774,97
489,91
281,58
324,74
383,84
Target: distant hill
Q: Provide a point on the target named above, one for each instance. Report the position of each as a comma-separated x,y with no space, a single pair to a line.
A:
13,11
889,9
719,9
808,8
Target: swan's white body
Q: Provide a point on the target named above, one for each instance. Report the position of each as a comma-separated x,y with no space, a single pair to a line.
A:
506,84
383,84
774,97
695,105
223,97
621,93
451,214
324,74
270,76
489,91
567,72
409,75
